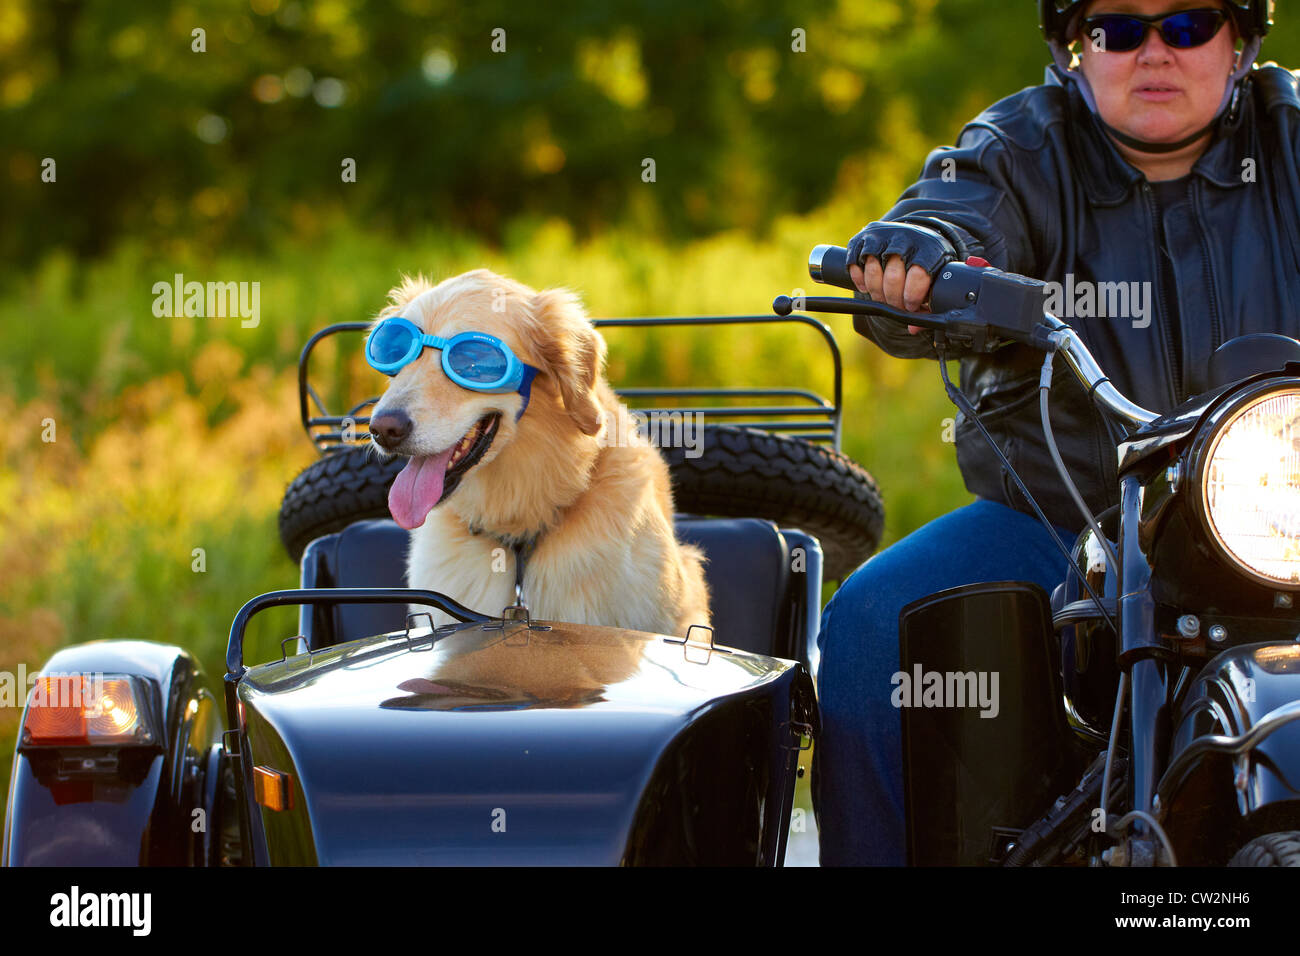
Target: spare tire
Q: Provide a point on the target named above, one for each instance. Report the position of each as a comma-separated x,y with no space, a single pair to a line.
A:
347,485
751,473
740,472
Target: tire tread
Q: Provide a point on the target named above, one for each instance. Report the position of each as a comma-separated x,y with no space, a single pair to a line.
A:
1271,849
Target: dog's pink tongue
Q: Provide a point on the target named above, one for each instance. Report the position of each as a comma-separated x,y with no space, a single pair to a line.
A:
417,489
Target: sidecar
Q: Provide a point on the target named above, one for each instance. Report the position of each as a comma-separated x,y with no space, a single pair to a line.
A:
378,739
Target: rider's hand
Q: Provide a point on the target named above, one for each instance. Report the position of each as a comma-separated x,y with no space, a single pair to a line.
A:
903,290
911,255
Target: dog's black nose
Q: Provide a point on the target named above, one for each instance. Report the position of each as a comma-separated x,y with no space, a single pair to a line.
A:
391,428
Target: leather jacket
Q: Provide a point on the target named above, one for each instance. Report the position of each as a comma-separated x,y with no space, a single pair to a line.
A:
1036,187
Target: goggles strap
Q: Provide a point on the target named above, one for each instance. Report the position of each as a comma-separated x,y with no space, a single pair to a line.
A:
525,389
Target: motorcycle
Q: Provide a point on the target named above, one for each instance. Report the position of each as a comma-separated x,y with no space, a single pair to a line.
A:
1150,707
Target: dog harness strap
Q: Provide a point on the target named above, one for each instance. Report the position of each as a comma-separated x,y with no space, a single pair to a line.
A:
525,389
523,551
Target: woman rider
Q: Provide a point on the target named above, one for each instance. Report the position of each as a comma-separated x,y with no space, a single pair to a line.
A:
1159,158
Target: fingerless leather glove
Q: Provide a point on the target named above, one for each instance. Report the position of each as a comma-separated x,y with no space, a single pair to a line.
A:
918,245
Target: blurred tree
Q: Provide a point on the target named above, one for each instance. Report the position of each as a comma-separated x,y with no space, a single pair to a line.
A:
472,116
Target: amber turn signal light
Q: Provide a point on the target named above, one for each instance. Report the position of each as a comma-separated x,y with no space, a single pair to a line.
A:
273,789
85,710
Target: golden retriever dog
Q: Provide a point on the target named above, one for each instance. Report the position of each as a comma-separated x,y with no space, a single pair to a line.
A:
532,471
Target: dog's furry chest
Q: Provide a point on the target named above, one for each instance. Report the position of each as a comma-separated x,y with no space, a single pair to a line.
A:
561,584
476,570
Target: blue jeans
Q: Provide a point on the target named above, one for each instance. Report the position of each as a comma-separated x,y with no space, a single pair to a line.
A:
857,781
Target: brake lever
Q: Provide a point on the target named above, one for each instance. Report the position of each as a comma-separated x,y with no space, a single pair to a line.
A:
958,326
969,335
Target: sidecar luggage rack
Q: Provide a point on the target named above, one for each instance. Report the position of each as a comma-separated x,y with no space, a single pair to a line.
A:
816,418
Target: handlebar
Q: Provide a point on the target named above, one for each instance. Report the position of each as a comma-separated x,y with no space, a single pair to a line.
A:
977,307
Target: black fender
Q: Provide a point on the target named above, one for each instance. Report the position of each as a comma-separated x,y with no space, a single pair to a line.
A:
151,806
1234,759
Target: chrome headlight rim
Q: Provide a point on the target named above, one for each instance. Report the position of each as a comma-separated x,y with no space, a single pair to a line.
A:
1210,431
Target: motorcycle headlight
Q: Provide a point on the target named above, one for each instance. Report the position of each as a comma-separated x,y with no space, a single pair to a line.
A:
1250,487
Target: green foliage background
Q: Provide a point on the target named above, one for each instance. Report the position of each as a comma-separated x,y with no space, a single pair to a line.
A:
224,165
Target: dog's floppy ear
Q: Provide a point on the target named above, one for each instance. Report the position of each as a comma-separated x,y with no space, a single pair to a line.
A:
572,352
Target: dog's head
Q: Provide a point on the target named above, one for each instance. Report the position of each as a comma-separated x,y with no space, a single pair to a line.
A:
454,434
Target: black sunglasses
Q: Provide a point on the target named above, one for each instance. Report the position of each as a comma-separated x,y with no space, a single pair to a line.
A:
1121,32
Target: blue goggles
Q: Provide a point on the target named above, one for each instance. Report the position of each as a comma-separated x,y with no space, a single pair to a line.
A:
473,360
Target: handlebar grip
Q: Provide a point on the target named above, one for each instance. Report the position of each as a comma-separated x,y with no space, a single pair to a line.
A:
970,301
830,265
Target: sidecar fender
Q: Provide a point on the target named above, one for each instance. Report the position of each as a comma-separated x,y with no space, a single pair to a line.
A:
106,805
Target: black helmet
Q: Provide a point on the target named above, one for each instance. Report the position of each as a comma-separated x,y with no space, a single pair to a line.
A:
1252,17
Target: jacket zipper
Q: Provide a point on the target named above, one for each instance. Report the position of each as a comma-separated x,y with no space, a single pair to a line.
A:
1207,266
1172,365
